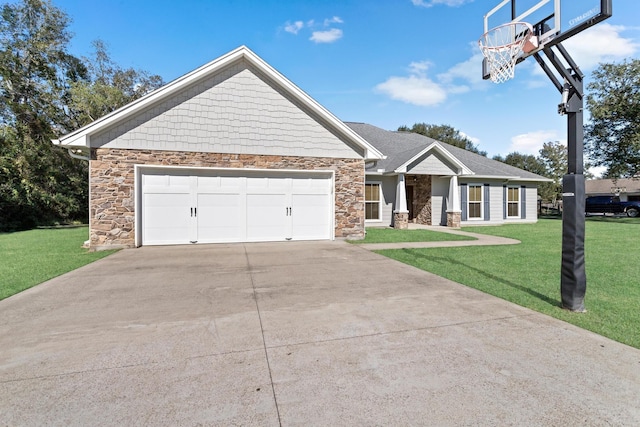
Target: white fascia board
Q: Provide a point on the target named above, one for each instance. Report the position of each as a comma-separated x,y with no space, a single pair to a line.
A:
81,140
464,170
242,52
507,178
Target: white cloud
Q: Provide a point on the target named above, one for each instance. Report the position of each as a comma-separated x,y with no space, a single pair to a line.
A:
328,36
419,89
600,43
293,28
416,89
325,36
469,71
334,20
470,138
531,143
429,3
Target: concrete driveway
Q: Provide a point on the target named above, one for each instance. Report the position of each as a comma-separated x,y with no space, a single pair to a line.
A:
290,334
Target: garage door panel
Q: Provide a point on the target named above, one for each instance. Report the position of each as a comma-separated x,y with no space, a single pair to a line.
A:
310,216
320,184
215,184
266,217
166,218
220,218
267,184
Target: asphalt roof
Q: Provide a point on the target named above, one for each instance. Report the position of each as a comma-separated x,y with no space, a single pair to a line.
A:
400,147
604,186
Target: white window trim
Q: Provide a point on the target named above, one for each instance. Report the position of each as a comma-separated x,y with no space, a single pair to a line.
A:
518,192
481,217
379,184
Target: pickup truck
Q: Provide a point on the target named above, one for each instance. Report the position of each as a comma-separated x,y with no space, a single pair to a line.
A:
612,204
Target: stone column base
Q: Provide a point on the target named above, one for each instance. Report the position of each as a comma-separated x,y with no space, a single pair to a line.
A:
401,220
453,219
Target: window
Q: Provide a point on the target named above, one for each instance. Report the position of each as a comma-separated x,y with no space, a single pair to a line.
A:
372,202
513,202
475,201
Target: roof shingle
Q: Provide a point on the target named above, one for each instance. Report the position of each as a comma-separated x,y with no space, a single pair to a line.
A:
400,147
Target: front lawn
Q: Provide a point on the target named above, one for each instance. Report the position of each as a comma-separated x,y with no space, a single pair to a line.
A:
528,274
391,235
34,256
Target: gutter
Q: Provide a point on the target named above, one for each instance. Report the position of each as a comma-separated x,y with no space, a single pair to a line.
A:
75,154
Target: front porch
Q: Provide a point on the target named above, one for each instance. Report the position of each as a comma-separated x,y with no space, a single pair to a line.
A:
414,194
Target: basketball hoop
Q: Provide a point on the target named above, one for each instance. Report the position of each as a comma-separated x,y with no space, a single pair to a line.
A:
502,46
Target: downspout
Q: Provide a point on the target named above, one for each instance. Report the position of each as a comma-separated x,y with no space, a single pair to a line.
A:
75,155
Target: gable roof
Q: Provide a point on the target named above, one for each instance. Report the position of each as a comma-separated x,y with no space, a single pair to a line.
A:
81,138
401,148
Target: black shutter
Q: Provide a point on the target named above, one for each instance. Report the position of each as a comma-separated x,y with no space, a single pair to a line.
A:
487,195
523,202
504,202
463,202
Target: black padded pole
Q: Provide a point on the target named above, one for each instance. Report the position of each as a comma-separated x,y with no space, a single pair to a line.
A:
573,278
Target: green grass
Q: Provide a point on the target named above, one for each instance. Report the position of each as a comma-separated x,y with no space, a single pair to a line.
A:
529,274
391,235
34,256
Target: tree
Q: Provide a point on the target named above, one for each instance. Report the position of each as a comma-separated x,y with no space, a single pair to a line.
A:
108,87
444,133
526,162
44,93
40,182
554,157
612,137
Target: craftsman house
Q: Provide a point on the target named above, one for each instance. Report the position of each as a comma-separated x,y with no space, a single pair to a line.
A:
235,152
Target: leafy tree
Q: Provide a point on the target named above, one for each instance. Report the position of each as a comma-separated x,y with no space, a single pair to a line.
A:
44,93
40,182
612,137
444,133
554,156
108,88
526,162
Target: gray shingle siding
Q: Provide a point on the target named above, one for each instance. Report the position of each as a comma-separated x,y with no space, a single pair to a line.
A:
235,111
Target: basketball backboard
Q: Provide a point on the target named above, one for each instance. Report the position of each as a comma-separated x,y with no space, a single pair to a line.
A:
553,20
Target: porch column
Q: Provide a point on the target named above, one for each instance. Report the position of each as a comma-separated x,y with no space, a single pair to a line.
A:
453,204
401,213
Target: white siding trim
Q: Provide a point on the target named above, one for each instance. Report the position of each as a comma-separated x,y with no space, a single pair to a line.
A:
481,217
380,202
463,170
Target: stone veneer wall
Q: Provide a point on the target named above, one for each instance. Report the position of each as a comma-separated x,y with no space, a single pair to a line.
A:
422,197
112,202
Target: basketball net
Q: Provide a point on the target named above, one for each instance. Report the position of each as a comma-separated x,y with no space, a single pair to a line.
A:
503,45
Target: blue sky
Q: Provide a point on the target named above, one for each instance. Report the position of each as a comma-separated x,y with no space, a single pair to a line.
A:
384,62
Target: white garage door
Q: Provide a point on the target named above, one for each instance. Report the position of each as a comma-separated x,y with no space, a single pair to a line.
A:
180,207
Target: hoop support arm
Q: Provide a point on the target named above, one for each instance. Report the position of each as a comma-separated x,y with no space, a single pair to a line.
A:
548,72
570,61
567,74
